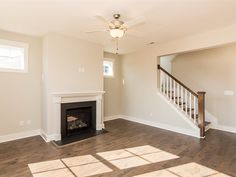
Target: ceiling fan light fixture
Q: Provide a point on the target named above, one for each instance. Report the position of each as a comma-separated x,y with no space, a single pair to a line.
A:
117,33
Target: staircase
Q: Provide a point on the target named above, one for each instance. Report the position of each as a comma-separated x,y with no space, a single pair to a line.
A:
191,104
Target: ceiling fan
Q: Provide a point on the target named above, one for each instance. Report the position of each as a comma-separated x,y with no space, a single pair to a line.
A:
117,28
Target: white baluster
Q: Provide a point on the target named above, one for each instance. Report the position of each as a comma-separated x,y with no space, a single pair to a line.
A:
186,101
164,83
167,85
182,97
194,111
161,82
174,89
190,105
177,92
171,94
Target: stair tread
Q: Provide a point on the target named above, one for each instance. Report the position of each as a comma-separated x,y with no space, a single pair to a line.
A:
206,123
180,103
169,91
188,109
176,97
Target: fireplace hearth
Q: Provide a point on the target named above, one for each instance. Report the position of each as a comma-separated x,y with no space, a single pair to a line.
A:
78,122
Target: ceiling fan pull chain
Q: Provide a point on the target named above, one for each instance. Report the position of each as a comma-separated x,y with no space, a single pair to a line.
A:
117,49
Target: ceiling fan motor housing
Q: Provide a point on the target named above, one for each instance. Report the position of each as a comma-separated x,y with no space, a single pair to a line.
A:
116,23
116,16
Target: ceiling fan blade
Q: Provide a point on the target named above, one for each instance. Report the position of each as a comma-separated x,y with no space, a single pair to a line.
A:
97,31
102,19
134,22
135,33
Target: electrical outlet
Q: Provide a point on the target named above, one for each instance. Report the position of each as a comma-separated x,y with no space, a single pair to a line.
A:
150,114
123,82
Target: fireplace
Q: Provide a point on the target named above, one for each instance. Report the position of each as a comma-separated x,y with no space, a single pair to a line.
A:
77,119
74,116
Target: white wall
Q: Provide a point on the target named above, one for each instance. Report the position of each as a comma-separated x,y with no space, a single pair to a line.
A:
62,58
70,65
141,77
212,71
112,87
65,57
21,92
166,62
140,98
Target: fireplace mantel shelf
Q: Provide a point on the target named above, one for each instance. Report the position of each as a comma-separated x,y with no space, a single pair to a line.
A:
77,94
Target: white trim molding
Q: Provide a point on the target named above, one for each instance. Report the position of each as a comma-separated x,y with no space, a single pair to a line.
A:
215,125
23,45
108,118
19,135
178,111
170,127
212,119
194,133
225,128
190,132
47,138
53,114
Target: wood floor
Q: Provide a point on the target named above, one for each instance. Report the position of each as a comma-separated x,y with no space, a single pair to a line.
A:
217,151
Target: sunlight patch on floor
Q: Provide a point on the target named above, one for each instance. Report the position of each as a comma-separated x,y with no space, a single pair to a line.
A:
88,165
186,170
81,166
90,169
136,156
79,160
46,166
55,173
159,173
108,161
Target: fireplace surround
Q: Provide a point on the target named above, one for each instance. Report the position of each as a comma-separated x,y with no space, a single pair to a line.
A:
77,118
52,123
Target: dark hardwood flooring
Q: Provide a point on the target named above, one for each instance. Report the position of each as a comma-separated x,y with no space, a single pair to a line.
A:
217,151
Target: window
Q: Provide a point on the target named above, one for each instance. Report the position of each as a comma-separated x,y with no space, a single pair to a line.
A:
13,56
108,68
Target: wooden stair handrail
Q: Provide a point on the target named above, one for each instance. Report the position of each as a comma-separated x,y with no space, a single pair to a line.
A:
176,80
201,102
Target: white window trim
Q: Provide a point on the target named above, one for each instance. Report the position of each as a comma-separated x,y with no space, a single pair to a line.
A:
17,44
113,67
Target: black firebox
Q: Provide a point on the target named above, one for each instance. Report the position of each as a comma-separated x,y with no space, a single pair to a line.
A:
77,119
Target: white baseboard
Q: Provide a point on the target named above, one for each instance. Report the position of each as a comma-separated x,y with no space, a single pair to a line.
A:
49,137
194,132
19,135
211,118
178,111
215,125
225,128
107,118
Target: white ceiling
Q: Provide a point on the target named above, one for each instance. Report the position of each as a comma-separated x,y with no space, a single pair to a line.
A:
165,19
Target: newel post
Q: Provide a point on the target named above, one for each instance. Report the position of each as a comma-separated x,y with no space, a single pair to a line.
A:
201,113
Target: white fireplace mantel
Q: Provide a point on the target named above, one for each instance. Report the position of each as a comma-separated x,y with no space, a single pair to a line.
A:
72,94
57,98
70,97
